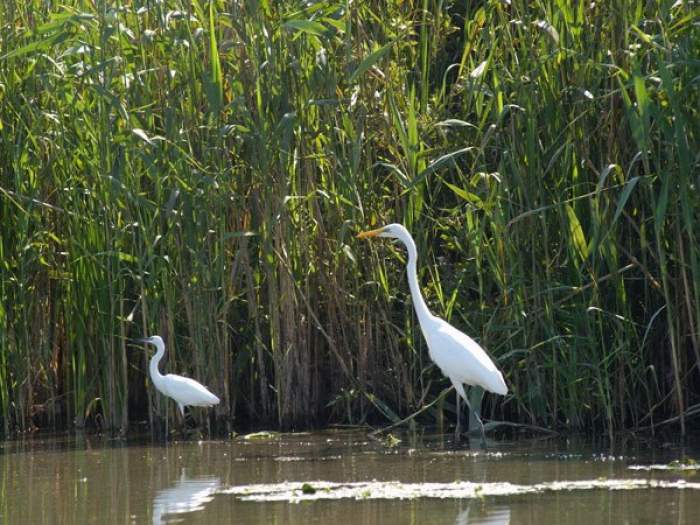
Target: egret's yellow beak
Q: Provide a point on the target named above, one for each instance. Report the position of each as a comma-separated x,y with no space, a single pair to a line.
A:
370,233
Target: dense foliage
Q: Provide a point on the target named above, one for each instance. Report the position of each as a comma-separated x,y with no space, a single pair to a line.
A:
198,170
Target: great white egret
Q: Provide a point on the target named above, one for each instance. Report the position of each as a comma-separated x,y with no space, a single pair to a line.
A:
459,357
183,390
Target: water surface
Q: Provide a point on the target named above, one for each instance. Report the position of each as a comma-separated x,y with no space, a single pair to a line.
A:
344,477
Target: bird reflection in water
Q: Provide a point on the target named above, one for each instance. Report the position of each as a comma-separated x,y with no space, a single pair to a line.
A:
489,516
188,495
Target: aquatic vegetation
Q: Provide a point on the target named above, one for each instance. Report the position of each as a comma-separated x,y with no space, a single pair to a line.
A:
391,441
287,459
674,466
264,435
324,490
199,169
307,489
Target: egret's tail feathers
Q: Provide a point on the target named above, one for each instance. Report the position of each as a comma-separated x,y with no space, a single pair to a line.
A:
208,399
211,399
496,384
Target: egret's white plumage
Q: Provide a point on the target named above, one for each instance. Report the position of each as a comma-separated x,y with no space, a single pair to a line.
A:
183,390
459,357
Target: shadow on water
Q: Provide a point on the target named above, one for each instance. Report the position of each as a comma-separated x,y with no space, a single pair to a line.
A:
345,477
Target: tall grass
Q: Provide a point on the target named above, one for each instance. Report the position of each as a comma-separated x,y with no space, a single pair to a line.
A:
198,169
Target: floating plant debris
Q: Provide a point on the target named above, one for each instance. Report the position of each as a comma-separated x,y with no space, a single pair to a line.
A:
299,491
260,436
288,459
673,466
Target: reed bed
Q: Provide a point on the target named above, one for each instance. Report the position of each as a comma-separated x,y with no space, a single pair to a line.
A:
198,170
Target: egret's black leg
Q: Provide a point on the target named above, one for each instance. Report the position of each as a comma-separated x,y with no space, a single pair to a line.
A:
183,421
458,429
483,433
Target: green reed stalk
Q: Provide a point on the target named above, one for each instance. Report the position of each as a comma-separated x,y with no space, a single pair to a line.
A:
198,170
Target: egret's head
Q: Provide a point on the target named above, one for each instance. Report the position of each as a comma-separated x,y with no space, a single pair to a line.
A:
393,231
154,340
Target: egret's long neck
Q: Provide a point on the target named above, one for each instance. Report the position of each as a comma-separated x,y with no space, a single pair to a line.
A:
156,376
418,301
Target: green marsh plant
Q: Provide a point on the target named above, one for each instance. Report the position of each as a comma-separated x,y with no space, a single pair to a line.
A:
197,169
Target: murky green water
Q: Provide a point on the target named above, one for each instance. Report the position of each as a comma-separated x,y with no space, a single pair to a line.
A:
342,477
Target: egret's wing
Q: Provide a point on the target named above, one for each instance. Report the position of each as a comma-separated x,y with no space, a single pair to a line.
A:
461,358
188,391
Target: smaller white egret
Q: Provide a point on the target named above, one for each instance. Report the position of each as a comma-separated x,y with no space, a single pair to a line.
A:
183,390
459,357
